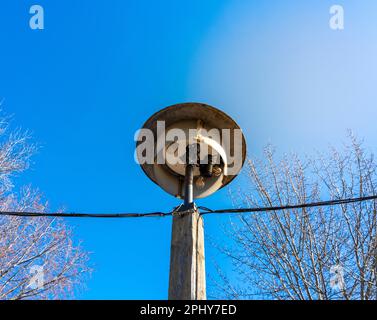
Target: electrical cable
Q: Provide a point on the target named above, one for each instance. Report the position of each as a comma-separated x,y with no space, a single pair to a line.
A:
294,206
85,215
205,210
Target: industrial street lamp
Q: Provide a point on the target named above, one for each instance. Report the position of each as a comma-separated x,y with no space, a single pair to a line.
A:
190,150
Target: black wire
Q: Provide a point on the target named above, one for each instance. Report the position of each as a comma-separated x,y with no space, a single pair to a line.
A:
295,206
85,215
206,210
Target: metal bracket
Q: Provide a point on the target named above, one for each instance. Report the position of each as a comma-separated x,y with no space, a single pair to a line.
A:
183,209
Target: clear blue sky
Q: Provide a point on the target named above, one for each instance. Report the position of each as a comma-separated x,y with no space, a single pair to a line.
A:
99,69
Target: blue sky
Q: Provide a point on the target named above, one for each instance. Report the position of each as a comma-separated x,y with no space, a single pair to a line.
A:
99,69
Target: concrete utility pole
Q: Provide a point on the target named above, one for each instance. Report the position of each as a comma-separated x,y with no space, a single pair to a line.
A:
187,266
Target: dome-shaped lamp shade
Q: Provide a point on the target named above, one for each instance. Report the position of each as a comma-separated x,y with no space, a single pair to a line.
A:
193,133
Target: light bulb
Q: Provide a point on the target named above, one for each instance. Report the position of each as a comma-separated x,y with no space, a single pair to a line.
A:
200,182
217,171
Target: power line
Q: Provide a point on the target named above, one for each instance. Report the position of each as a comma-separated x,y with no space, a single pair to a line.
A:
205,210
85,215
286,207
